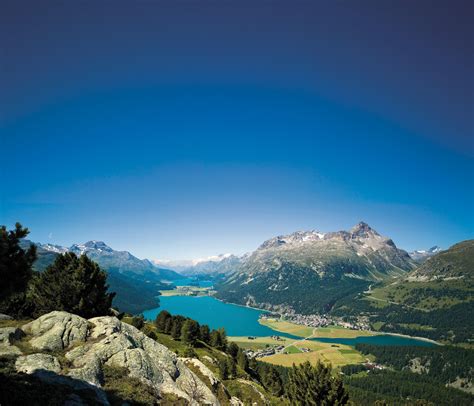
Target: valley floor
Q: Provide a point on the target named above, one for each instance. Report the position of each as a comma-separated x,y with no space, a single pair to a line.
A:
286,351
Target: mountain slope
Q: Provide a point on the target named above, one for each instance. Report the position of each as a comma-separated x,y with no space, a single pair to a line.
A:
455,263
123,262
436,300
441,281
310,271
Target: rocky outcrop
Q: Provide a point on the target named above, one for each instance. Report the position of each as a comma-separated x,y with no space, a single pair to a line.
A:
203,369
56,330
87,346
37,362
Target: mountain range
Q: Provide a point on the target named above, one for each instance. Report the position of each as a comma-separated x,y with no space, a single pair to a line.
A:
422,255
309,271
136,281
214,266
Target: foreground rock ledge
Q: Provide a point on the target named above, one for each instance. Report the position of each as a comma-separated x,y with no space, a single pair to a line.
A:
89,345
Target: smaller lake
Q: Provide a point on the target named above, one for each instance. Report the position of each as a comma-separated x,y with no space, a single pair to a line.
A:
243,321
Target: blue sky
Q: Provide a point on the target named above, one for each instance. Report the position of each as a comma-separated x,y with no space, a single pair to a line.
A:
178,131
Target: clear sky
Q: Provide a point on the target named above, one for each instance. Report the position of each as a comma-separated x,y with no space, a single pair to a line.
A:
178,129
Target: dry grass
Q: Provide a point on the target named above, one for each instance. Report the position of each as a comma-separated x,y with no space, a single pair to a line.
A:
287,327
340,332
336,354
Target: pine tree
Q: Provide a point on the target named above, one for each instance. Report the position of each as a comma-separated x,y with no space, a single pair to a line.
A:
314,386
161,319
242,360
231,368
223,339
204,333
233,349
272,381
215,339
15,267
168,325
176,327
223,369
73,284
190,332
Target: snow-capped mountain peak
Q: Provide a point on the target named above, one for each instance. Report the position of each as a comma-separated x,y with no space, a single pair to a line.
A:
90,246
421,255
54,248
361,232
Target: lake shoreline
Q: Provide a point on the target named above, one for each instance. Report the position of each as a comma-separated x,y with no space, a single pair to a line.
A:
428,340
223,316
241,305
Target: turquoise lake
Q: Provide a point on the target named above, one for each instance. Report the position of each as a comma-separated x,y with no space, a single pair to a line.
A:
243,321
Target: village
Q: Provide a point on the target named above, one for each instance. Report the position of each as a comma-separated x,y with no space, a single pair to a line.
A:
271,350
318,320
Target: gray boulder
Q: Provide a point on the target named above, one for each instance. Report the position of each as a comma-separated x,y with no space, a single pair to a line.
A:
56,331
10,334
47,368
5,317
7,349
29,364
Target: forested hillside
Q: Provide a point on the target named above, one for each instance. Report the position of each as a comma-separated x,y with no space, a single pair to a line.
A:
435,300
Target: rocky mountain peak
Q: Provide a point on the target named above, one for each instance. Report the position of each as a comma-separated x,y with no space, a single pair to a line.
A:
362,229
97,245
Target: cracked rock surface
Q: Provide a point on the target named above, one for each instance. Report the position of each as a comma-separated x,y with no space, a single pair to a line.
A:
56,330
87,346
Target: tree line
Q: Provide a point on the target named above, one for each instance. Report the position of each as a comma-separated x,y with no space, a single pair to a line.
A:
402,388
444,364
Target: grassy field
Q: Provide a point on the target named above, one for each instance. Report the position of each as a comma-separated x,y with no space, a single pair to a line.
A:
287,327
260,342
336,354
340,332
293,350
